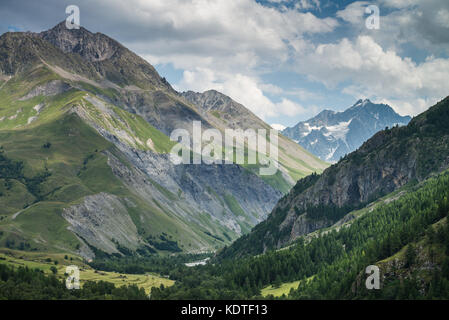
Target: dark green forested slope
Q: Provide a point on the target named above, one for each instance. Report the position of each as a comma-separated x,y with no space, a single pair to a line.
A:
333,263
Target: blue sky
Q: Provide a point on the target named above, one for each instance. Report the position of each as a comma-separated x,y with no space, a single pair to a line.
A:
284,60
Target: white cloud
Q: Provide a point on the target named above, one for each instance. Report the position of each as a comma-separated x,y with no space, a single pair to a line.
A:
300,4
442,18
214,33
300,93
288,107
423,24
378,73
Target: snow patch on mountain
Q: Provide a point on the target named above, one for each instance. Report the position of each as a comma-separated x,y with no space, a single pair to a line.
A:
339,130
331,154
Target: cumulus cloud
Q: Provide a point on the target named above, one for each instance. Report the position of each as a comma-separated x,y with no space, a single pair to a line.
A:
226,34
375,72
423,24
201,28
299,4
300,93
238,40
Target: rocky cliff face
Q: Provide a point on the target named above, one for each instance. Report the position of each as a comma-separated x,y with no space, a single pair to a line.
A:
331,135
206,188
387,161
92,47
203,187
110,59
101,218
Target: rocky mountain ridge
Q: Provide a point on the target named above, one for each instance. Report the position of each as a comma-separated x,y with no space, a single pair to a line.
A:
330,135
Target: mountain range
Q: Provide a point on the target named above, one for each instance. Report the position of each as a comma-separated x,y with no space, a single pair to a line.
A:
86,179
84,162
331,135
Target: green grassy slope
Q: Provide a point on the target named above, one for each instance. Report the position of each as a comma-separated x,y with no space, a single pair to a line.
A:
74,157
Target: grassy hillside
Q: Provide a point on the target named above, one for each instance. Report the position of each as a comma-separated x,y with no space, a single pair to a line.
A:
279,290
77,164
62,160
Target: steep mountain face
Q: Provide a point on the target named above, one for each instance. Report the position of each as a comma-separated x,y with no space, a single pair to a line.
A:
389,160
331,135
223,112
84,163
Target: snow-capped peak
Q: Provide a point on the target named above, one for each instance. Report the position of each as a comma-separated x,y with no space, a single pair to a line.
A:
361,103
340,133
